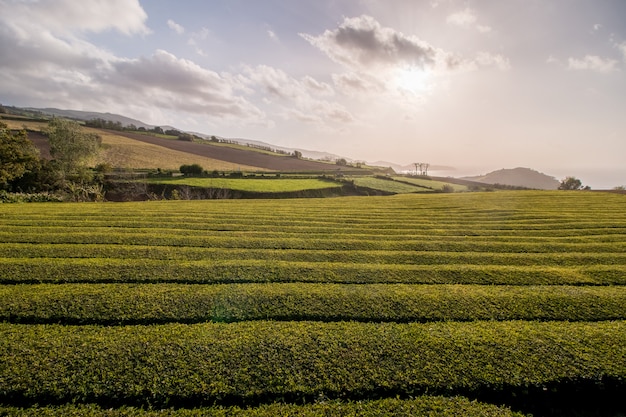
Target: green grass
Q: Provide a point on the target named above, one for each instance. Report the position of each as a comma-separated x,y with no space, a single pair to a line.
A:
388,186
430,184
262,185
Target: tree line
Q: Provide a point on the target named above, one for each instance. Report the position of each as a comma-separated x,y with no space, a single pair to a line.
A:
67,173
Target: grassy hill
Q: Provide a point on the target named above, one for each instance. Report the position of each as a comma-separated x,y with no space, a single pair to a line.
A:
518,177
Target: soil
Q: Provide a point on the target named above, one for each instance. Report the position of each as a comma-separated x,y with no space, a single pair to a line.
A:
238,156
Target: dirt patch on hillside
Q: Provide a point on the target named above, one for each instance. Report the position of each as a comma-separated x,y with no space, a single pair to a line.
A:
237,156
41,142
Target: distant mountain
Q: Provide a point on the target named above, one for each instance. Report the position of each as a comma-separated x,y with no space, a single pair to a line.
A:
90,115
519,177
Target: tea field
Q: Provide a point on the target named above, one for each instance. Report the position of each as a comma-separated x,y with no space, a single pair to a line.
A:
475,304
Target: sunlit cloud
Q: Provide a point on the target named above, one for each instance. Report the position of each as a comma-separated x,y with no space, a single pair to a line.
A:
299,98
465,18
593,63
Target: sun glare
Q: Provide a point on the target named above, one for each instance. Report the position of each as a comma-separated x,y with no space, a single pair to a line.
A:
412,80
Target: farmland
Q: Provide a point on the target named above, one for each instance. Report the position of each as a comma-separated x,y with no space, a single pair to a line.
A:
413,304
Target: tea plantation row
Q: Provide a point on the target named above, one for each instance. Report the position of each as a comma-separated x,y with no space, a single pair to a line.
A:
174,303
351,306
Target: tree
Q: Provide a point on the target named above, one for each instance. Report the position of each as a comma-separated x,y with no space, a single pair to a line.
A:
71,148
297,154
18,155
191,170
341,162
571,183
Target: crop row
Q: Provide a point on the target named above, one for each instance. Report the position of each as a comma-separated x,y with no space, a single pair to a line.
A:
616,244
99,270
162,303
432,406
211,363
187,253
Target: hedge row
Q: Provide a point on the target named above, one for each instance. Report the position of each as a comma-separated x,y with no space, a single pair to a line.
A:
99,270
110,251
170,303
303,241
211,363
432,406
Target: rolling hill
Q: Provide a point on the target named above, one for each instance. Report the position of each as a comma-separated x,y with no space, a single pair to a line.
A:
518,177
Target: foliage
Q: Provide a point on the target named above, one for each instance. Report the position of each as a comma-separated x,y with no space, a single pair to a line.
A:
420,406
325,303
176,303
18,155
191,170
71,149
571,183
202,363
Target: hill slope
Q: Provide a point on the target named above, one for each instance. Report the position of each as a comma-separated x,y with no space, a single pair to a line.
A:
519,177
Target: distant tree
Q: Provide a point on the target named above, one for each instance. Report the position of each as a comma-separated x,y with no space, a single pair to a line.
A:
71,148
619,188
18,155
571,183
214,139
158,130
191,170
186,137
297,154
341,162
172,132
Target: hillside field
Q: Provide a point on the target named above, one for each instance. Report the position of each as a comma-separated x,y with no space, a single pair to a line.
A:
477,304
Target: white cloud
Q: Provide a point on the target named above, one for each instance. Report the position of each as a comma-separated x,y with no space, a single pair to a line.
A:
272,35
593,63
299,98
63,17
467,19
622,48
175,27
486,59
464,18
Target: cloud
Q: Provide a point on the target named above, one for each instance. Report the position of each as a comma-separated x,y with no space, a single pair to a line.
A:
299,99
467,19
175,27
593,63
622,48
374,55
52,64
63,17
463,18
487,59
272,35
362,42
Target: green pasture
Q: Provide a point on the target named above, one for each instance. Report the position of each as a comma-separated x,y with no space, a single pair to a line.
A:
261,185
411,304
387,185
430,184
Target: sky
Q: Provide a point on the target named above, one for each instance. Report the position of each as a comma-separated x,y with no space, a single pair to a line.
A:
468,86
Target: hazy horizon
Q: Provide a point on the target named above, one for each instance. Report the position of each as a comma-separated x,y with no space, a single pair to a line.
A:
475,85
